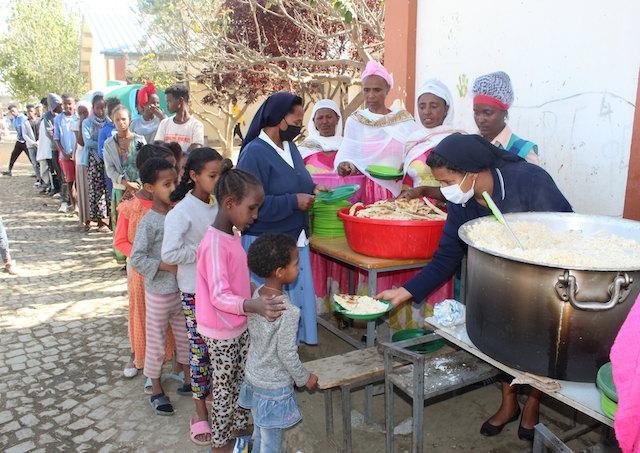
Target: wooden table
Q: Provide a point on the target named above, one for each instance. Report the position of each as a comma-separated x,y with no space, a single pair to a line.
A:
338,250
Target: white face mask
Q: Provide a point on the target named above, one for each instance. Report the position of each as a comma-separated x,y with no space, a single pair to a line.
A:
454,193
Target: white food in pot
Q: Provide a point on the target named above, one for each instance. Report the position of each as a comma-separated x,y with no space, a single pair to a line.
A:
570,248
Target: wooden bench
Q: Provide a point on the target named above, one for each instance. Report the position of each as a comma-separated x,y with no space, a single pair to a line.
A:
346,372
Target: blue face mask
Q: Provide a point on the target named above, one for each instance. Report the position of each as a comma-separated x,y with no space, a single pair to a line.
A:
454,193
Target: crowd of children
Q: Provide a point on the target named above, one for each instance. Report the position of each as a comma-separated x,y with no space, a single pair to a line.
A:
177,211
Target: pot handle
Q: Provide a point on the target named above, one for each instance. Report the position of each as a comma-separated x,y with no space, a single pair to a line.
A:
566,287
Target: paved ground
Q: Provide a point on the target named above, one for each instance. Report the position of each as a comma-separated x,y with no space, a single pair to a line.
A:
63,343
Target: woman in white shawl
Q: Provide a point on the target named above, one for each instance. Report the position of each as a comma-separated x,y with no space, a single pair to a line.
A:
325,134
434,114
375,135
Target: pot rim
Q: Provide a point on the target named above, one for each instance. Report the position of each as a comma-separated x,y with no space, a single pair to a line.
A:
555,217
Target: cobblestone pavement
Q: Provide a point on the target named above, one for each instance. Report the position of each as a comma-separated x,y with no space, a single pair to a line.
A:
63,339
63,344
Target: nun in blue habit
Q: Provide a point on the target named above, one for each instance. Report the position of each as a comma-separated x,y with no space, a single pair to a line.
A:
268,152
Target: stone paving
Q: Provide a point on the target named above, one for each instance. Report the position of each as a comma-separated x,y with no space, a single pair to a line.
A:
63,344
63,339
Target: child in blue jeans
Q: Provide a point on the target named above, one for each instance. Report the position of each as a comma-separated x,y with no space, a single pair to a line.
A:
273,364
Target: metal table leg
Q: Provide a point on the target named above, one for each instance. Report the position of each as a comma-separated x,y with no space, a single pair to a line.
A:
388,402
371,339
418,405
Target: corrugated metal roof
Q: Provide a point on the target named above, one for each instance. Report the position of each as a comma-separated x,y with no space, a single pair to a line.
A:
118,32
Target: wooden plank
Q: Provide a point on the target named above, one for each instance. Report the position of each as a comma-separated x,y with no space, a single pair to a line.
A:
347,368
337,248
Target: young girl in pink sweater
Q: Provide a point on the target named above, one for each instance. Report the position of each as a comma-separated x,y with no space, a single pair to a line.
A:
224,298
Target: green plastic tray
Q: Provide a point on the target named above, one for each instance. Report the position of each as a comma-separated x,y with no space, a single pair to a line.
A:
339,309
384,172
338,193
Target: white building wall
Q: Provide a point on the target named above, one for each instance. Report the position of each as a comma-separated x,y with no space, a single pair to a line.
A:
574,67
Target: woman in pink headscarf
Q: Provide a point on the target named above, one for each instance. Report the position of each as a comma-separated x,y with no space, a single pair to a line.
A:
375,135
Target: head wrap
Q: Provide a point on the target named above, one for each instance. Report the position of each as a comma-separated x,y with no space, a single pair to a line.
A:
53,100
85,104
271,113
375,68
473,153
142,97
315,142
436,87
493,89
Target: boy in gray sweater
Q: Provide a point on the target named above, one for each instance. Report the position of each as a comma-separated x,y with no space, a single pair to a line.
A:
273,364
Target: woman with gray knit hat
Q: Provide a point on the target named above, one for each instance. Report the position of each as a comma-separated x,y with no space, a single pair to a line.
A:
492,97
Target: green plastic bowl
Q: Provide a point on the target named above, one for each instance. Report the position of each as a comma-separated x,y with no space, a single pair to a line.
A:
604,381
424,348
608,407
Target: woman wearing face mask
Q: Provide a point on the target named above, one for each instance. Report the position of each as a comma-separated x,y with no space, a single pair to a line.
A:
268,152
466,166
375,135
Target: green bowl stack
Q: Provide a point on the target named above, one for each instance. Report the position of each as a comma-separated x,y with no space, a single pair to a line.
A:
608,394
325,210
325,218
424,348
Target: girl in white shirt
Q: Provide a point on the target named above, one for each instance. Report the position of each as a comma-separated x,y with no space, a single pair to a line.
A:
185,225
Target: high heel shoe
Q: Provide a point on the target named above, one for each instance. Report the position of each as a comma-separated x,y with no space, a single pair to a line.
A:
487,429
526,433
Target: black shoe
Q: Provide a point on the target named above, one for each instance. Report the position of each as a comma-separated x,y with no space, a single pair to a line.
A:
525,433
6,173
489,430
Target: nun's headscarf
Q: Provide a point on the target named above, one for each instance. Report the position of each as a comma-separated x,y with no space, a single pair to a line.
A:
472,153
436,87
271,113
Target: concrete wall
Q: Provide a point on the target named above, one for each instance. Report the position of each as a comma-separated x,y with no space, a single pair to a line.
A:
574,68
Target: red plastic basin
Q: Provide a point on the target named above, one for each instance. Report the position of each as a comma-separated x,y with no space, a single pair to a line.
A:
399,239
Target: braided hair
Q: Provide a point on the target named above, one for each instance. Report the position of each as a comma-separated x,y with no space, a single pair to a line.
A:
196,161
233,182
148,151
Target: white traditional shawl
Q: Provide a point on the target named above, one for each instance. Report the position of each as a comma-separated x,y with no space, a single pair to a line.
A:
315,142
375,139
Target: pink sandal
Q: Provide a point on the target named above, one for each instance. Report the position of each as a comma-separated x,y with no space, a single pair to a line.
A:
198,428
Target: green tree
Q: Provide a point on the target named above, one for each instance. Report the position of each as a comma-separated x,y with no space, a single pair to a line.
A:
40,53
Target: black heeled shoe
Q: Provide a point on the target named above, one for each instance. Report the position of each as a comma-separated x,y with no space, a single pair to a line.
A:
487,429
526,433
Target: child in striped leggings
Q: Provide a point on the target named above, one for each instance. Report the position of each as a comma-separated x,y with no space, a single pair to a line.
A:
163,307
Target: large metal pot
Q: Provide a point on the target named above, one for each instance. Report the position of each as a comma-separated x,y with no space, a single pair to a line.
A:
548,320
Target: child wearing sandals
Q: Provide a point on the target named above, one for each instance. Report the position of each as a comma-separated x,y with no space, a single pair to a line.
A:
187,222
161,294
224,299
273,364
130,214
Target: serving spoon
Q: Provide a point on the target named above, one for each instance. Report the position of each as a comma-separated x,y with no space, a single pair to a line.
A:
499,217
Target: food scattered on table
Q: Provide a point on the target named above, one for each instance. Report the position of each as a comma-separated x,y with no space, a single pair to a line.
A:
415,209
571,248
360,305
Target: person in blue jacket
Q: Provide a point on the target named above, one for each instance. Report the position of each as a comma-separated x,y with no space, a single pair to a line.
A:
466,166
269,153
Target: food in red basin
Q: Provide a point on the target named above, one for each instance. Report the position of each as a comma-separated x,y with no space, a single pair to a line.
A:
399,239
